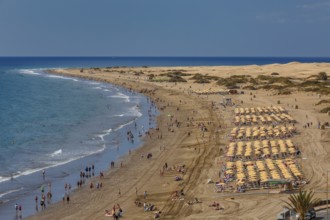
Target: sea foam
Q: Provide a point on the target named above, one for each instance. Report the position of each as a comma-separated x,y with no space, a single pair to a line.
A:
56,153
134,111
10,191
61,77
29,71
121,96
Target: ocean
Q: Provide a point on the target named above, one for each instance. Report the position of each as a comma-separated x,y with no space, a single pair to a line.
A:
61,124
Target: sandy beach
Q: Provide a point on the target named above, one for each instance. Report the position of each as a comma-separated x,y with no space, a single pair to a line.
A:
188,147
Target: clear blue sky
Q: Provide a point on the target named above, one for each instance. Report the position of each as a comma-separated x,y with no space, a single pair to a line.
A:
164,28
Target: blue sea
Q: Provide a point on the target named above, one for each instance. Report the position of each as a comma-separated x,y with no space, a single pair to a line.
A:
61,124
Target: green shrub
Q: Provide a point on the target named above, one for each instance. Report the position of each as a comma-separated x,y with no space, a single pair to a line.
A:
231,85
312,77
230,81
202,81
177,79
272,87
159,79
253,81
151,76
263,77
249,87
284,92
309,83
272,79
175,73
136,73
325,110
239,76
199,76
320,90
323,76
323,102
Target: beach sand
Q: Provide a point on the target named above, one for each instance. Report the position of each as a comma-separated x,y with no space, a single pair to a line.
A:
200,152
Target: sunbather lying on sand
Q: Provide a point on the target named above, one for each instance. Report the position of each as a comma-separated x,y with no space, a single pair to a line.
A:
216,205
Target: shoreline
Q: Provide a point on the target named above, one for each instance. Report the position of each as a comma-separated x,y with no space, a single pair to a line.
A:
136,153
200,154
68,172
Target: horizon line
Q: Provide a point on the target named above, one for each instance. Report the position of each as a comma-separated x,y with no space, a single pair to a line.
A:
39,56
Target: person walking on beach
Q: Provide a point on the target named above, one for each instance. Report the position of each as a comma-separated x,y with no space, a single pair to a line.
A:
20,211
36,200
42,189
86,170
49,196
16,208
145,194
49,186
43,204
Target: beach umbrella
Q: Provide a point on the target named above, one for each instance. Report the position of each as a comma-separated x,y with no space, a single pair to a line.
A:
277,181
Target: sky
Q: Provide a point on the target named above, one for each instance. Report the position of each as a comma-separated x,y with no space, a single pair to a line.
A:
165,28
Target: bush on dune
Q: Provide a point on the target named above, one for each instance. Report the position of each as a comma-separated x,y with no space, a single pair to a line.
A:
272,87
284,92
325,110
177,79
199,76
323,102
175,73
249,87
323,76
202,81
